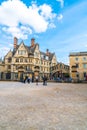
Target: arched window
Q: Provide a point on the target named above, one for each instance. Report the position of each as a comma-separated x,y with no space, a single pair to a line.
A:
21,60
17,60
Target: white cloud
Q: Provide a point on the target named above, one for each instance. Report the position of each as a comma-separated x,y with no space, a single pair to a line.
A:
14,13
60,17
19,32
61,3
51,25
36,36
4,50
46,12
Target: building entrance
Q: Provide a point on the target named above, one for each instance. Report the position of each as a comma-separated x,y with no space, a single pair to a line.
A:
20,75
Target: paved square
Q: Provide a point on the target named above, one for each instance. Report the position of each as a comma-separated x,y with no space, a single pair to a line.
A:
57,106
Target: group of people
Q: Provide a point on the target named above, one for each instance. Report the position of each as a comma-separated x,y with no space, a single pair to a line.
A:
28,79
44,78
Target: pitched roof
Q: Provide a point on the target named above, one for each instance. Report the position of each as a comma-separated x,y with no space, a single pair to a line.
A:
50,56
31,49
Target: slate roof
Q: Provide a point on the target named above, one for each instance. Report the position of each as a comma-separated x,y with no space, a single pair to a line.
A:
28,48
50,56
31,49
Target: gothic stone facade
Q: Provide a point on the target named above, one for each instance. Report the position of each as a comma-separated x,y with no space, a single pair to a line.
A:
27,61
30,61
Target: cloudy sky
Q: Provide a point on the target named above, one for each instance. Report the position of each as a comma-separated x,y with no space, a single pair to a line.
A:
59,25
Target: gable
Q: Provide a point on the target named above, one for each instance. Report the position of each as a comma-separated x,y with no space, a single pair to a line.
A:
37,52
37,48
54,60
21,51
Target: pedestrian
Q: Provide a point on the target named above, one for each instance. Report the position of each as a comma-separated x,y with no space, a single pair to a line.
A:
44,80
28,79
36,80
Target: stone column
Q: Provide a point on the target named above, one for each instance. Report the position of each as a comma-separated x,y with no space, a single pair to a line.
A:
12,72
12,75
4,76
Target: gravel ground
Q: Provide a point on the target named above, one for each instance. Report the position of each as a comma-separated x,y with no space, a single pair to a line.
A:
57,106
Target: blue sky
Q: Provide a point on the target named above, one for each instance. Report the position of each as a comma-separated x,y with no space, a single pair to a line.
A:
59,25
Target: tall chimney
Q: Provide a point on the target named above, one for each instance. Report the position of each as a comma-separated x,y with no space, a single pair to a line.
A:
32,42
15,42
47,51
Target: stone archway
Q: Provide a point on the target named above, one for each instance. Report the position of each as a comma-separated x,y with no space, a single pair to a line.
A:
36,71
20,73
56,74
8,75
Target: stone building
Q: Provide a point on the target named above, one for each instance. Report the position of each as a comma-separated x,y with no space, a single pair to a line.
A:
26,60
60,70
78,65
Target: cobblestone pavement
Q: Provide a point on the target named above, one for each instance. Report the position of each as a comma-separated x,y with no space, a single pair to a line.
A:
57,106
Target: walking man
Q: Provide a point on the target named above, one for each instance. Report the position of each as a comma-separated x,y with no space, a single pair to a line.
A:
28,79
44,80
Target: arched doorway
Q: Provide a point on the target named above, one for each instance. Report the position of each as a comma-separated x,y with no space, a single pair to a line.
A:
8,75
36,71
20,73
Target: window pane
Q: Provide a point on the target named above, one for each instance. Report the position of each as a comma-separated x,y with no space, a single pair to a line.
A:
21,60
76,58
84,66
84,58
77,65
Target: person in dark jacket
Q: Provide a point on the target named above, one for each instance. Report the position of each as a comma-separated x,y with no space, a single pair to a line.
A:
44,80
28,79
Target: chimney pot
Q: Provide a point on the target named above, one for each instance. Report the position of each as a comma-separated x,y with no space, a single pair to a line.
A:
15,42
32,42
47,51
